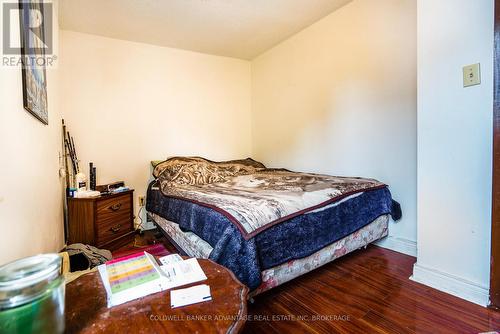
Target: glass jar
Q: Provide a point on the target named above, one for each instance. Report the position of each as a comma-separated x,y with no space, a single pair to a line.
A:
32,295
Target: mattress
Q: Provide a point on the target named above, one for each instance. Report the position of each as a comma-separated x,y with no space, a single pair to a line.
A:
194,246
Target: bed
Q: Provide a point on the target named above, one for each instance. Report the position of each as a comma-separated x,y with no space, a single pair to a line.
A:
266,225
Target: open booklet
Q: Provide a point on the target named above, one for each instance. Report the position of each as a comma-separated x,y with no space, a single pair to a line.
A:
181,272
138,275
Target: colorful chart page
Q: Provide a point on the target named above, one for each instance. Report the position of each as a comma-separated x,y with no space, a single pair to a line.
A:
130,272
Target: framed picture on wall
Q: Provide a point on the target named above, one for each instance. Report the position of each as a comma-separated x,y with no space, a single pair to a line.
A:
33,58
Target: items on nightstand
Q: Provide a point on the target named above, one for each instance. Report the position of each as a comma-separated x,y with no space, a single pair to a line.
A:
112,188
119,190
86,194
80,190
71,192
93,176
81,182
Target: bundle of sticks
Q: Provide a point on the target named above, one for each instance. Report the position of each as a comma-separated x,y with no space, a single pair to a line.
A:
70,150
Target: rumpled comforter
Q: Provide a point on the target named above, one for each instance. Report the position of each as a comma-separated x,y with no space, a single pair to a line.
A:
253,197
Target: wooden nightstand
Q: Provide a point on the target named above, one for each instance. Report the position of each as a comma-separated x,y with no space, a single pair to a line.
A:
104,222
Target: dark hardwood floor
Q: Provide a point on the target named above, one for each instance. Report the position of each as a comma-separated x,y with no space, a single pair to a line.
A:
367,291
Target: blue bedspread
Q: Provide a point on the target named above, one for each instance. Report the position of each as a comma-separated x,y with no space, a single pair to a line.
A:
295,238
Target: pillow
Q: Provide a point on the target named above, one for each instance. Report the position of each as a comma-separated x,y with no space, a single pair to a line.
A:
196,170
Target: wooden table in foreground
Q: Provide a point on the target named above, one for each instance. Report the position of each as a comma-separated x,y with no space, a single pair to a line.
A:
86,310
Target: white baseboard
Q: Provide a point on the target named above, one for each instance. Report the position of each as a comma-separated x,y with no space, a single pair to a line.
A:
401,245
451,284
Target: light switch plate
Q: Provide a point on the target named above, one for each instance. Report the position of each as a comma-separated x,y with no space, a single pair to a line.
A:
472,75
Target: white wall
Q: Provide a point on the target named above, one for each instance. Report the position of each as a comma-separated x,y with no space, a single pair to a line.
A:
340,98
31,192
454,147
128,103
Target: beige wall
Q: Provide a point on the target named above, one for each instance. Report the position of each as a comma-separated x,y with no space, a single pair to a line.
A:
31,191
340,98
128,103
330,99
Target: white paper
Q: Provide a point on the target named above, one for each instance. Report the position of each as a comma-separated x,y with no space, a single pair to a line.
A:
183,272
157,285
188,296
169,259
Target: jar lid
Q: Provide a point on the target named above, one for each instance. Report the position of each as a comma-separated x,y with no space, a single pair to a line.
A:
26,279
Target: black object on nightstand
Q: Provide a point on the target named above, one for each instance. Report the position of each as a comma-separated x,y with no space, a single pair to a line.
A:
104,221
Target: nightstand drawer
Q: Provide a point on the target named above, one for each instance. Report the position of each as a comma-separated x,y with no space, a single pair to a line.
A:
109,209
111,229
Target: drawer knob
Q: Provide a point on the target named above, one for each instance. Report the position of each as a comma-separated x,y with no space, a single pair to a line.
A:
116,228
116,207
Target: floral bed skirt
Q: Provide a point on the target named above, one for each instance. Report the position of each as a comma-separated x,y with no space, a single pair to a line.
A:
194,246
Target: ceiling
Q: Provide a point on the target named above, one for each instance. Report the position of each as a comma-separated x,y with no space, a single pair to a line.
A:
234,28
